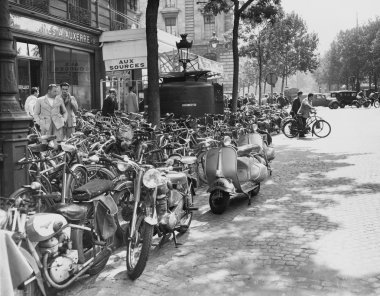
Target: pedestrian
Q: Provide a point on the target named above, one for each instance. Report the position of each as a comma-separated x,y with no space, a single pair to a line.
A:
31,101
131,103
51,113
110,103
304,112
282,101
296,104
71,107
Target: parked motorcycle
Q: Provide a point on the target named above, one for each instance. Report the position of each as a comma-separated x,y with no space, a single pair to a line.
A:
231,170
71,239
160,202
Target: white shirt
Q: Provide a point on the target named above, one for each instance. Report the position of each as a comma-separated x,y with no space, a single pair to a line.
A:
51,101
29,104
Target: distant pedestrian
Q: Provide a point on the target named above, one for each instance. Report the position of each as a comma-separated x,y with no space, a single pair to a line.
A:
31,101
71,107
282,101
51,113
110,103
131,103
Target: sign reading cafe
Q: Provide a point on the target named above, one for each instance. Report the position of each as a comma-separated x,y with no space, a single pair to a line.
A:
125,64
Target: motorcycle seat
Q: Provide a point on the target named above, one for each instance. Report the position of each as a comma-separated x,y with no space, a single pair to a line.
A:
92,189
245,150
188,159
72,212
177,177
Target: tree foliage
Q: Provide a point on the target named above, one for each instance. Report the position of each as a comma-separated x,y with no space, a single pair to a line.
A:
353,57
283,47
257,11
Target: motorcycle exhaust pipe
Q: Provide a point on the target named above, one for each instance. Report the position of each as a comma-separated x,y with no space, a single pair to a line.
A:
91,262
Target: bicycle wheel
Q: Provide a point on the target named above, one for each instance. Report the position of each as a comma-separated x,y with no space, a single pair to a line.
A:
321,128
99,172
290,129
27,196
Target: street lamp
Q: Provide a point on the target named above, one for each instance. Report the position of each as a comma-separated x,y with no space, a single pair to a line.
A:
183,47
214,41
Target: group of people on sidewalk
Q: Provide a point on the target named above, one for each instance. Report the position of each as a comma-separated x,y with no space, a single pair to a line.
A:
301,109
130,103
54,112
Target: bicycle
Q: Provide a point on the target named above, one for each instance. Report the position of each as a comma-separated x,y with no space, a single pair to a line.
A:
318,126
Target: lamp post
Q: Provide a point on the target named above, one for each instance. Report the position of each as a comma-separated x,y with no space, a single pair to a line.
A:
14,122
214,41
183,47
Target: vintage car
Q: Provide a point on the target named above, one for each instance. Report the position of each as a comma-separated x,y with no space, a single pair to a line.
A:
342,98
321,100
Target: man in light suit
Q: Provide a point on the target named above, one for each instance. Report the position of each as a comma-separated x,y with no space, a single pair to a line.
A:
51,113
71,107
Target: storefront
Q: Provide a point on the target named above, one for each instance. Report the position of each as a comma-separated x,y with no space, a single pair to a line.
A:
52,54
125,59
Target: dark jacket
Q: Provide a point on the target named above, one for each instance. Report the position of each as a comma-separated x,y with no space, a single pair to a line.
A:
109,107
296,106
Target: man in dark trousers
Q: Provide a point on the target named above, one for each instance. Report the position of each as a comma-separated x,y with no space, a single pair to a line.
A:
296,104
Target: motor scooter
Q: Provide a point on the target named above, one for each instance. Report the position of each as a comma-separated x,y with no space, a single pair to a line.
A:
232,170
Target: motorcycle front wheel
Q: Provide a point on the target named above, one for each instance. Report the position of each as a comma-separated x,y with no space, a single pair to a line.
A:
138,247
219,201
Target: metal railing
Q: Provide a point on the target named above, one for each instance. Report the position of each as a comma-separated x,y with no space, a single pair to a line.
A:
77,13
38,5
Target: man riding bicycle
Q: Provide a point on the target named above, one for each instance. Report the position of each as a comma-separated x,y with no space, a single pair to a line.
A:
304,113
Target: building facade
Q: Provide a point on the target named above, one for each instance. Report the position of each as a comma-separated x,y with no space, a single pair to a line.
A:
187,16
58,41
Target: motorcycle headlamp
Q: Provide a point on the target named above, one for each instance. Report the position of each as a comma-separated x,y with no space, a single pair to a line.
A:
94,158
227,141
122,166
153,178
35,185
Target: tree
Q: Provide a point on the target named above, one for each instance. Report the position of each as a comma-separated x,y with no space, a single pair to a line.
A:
255,10
152,62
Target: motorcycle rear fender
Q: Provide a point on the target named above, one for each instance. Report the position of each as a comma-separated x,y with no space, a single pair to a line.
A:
222,184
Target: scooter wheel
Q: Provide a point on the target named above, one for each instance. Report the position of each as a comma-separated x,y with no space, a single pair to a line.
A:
219,201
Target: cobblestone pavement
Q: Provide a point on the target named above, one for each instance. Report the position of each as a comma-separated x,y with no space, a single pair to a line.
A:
314,229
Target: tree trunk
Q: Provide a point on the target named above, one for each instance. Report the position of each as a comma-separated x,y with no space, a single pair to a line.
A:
375,80
369,81
235,55
265,87
153,92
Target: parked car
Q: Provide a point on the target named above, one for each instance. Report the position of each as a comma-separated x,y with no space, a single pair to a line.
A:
342,98
321,100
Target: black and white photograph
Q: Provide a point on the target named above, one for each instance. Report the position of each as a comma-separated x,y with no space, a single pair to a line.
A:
189,147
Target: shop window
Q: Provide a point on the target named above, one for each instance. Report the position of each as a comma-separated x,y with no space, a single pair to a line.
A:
28,50
74,67
171,25
170,3
209,25
133,4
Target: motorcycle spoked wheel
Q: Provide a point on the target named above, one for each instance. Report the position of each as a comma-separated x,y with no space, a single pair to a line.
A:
219,201
367,104
30,289
138,247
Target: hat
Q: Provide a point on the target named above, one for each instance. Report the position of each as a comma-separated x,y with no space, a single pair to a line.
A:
299,93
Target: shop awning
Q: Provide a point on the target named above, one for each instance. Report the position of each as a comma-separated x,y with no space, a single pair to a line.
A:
126,50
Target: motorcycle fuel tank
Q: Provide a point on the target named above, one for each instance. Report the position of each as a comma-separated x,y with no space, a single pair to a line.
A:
43,226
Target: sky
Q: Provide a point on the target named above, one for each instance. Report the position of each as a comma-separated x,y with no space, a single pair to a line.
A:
328,17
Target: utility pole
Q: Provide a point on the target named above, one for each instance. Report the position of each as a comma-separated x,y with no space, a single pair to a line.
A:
14,122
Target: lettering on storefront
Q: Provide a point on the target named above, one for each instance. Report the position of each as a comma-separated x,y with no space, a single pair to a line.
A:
125,64
72,67
46,29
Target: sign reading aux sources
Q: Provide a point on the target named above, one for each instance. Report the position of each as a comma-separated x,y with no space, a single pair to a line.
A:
125,64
